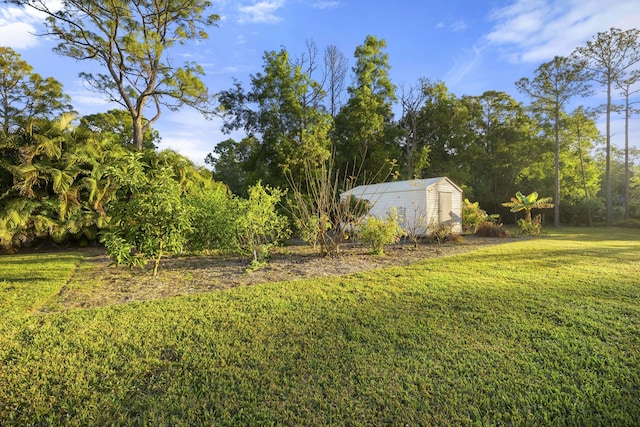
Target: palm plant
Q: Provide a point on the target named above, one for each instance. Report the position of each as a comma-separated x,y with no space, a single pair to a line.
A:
64,174
528,203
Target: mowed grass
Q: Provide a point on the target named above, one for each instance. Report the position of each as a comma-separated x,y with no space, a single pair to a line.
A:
29,281
534,332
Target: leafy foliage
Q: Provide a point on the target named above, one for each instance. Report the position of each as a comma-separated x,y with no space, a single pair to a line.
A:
378,233
151,222
61,184
213,218
284,108
25,94
531,228
130,41
258,224
364,134
472,215
117,126
527,203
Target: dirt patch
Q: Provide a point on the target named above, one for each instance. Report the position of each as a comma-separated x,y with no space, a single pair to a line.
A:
96,284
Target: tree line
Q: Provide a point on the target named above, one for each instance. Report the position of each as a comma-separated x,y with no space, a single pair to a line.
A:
69,177
301,109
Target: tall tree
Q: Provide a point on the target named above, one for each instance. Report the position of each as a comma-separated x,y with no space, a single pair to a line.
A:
363,125
130,40
442,135
626,86
335,74
608,56
283,112
502,144
554,84
583,134
25,94
412,100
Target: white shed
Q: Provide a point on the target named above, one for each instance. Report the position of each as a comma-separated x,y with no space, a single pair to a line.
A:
419,202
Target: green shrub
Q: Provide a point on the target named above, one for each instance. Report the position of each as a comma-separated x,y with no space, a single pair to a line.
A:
377,233
213,220
309,229
628,223
258,224
472,215
491,229
530,228
152,222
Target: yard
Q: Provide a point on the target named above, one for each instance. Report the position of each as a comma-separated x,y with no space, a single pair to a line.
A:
541,331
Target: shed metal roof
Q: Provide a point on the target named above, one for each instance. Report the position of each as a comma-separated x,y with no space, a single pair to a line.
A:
396,186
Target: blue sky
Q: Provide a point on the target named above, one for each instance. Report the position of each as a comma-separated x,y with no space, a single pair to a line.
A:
471,45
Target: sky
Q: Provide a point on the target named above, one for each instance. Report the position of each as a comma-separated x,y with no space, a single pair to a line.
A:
471,45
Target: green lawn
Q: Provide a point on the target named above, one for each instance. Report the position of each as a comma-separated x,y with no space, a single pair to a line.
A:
533,332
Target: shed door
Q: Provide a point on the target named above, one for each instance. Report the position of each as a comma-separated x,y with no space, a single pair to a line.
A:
444,207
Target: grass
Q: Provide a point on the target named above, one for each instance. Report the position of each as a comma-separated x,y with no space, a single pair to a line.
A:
29,281
536,332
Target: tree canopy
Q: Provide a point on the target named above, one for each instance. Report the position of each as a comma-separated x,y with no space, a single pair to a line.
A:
24,93
130,41
609,56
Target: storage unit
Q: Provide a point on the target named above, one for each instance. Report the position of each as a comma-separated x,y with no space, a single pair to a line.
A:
419,202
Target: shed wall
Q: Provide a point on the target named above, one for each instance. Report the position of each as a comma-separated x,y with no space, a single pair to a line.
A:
411,206
433,203
417,207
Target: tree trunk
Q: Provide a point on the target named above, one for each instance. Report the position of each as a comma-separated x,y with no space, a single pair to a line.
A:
627,177
607,171
584,184
138,132
156,262
556,216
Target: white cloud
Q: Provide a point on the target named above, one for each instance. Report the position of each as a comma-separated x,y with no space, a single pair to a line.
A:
263,12
458,26
18,25
17,28
190,134
88,102
17,35
538,30
325,4
463,66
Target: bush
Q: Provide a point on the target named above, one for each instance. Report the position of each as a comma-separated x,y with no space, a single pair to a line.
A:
213,219
323,219
628,223
152,222
530,228
377,233
439,233
258,225
491,229
472,215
